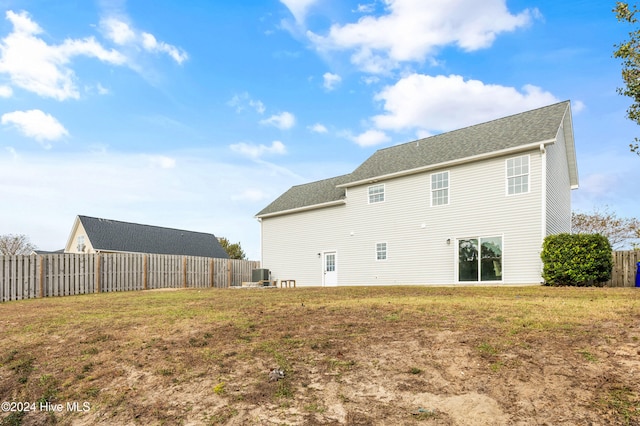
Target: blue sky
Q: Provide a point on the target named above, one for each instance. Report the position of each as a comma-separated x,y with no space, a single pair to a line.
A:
197,114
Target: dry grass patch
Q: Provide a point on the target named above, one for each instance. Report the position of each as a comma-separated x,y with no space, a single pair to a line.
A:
392,355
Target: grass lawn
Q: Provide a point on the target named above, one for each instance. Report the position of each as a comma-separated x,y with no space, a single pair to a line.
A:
358,355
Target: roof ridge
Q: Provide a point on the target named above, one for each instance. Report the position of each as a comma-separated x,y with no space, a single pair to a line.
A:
474,125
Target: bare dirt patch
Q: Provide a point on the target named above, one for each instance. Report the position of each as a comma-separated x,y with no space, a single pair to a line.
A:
359,356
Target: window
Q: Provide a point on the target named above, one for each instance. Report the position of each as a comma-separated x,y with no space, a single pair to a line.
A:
376,194
440,189
330,262
80,241
518,175
381,251
485,265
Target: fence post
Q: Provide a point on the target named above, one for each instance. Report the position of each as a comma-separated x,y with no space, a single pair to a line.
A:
211,273
228,273
97,277
184,271
41,275
145,276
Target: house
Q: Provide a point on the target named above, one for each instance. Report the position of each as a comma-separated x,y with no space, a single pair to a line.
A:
95,235
468,206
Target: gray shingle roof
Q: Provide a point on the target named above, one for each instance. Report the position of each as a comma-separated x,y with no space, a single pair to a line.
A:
534,126
113,235
310,194
511,132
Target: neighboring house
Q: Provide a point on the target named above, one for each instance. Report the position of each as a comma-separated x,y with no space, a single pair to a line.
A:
93,235
468,206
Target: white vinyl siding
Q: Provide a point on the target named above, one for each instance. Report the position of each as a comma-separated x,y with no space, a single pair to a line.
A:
381,251
440,188
376,194
292,243
518,175
558,193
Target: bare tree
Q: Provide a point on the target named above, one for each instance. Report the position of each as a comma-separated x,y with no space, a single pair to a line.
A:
621,231
15,244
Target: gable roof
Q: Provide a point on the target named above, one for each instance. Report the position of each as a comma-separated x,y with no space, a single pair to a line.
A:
510,134
520,130
320,193
117,236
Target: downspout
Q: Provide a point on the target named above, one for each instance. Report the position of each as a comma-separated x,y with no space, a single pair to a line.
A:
261,243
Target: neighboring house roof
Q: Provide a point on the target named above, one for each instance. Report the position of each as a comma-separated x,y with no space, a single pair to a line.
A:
116,236
61,251
509,134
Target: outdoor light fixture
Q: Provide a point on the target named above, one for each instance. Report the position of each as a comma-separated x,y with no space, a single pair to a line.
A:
448,241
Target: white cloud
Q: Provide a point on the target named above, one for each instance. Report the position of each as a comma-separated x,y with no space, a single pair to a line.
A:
102,90
38,181
284,121
151,44
162,161
442,103
35,124
257,151
413,30
331,80
12,151
118,31
5,92
241,100
365,8
318,128
121,33
370,137
577,106
38,67
298,8
370,79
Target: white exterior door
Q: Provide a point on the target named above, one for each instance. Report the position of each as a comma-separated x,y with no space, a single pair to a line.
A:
330,269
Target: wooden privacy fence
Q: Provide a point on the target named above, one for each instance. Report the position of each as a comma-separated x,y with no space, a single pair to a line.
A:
624,268
27,277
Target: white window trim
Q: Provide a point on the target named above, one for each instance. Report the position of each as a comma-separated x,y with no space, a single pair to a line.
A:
448,188
386,251
384,195
507,177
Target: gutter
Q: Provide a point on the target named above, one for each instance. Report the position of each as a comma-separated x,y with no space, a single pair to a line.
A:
302,209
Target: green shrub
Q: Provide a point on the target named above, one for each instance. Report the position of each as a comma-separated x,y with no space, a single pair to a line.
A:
576,260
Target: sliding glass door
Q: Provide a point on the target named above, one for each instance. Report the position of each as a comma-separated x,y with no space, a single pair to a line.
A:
480,259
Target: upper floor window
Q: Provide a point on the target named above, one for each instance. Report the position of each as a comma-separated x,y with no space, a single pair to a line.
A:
440,188
381,251
518,175
376,194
